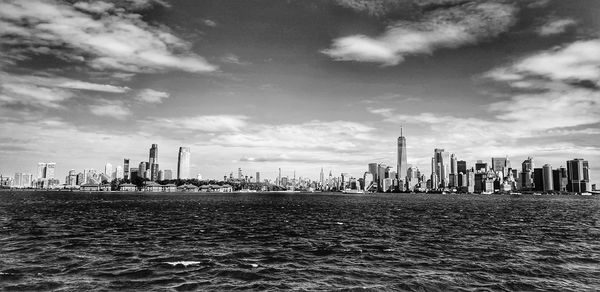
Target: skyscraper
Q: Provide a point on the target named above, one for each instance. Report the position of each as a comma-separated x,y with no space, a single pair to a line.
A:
183,163
402,162
527,173
461,166
500,164
547,178
257,177
153,154
153,161
126,168
440,168
41,170
578,175
50,167
142,169
119,172
560,180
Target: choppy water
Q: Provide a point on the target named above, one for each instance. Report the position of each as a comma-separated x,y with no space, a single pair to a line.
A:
75,242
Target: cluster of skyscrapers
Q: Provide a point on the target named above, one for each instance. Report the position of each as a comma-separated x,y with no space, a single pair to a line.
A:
147,170
450,174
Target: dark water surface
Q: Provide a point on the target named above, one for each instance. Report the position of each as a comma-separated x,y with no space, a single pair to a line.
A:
77,242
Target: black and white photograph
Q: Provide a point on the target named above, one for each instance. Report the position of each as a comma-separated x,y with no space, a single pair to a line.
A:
299,145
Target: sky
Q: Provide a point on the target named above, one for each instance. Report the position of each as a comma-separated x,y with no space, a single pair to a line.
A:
297,85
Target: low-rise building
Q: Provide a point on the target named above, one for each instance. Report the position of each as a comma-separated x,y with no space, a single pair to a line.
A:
127,188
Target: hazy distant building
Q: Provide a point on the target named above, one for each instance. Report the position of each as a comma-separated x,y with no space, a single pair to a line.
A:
578,175
167,174
402,165
23,180
119,172
183,163
257,177
108,169
547,178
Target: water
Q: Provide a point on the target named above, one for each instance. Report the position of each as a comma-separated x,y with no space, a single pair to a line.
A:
75,242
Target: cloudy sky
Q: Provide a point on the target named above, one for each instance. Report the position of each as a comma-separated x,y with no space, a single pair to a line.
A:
262,84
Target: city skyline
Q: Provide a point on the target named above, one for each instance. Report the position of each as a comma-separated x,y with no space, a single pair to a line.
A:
297,86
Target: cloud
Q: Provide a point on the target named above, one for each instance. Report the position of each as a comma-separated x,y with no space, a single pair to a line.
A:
115,110
442,28
556,26
152,96
314,135
109,39
233,59
33,95
210,23
570,64
205,123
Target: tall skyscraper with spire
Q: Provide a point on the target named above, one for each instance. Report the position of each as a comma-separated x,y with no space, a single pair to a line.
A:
402,163
183,163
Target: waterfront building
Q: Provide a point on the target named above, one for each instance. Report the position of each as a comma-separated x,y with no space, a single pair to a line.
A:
578,175
126,173
127,188
538,179
547,176
402,166
560,180
470,181
453,171
161,175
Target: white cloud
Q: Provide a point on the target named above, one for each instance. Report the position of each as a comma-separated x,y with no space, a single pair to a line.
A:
115,110
577,63
205,123
445,28
556,26
33,95
112,40
152,96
